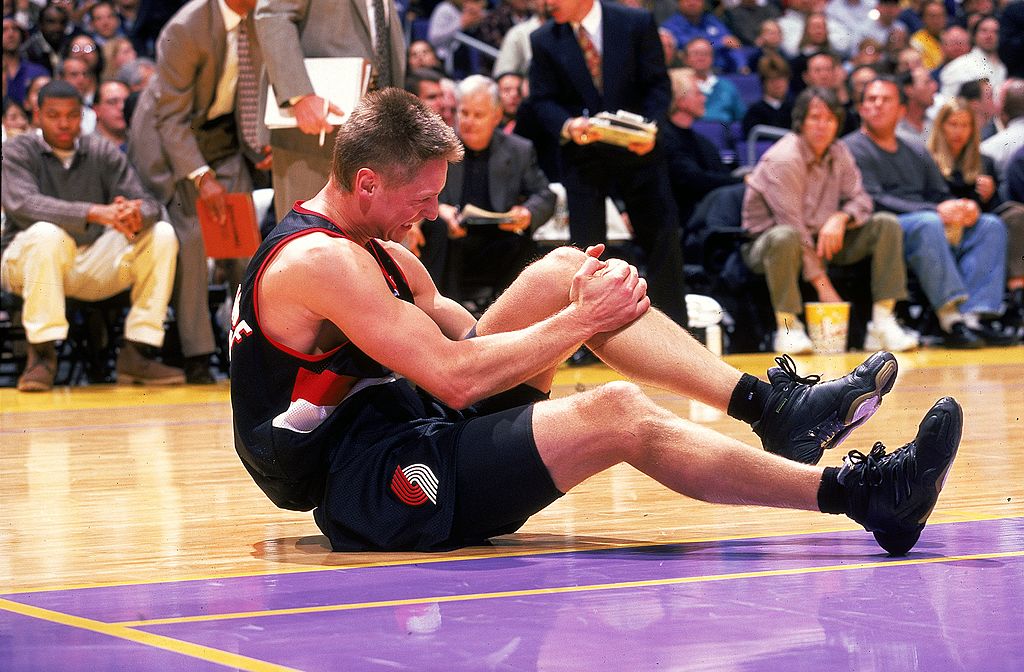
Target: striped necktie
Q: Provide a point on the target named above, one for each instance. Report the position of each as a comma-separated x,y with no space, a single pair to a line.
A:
590,55
248,92
383,45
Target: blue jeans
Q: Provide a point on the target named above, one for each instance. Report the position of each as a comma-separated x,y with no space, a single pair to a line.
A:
974,270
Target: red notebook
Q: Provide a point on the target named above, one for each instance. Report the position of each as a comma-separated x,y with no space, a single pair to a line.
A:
238,235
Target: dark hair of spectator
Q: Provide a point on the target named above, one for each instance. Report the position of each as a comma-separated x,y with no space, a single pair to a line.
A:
972,90
772,66
899,81
394,134
802,105
1013,99
980,19
58,89
414,77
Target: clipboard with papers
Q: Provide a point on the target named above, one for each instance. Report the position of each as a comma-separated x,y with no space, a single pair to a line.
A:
623,128
238,235
342,81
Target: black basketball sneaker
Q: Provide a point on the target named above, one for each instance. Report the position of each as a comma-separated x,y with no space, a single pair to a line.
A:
804,417
893,495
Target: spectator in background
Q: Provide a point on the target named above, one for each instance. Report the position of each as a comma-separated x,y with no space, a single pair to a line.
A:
421,55
981,99
76,72
670,47
907,60
955,146
824,70
814,40
104,23
724,103
32,95
496,24
963,282
746,18
869,52
927,39
45,46
694,22
425,84
515,52
849,21
1001,146
881,23
84,48
856,82
117,53
807,207
499,173
109,108
775,107
136,74
955,42
510,90
80,224
919,92
450,17
18,70
15,119
694,166
982,62
768,42
791,23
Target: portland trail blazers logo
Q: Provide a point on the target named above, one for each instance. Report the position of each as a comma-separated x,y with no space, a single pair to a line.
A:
415,484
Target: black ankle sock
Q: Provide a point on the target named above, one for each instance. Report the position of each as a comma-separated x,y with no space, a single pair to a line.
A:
831,494
748,399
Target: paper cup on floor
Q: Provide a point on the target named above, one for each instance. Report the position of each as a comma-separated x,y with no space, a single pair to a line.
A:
827,325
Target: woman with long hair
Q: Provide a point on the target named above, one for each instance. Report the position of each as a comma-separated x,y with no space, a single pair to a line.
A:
954,144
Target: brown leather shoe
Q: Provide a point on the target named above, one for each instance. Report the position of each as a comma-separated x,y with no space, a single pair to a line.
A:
135,364
40,368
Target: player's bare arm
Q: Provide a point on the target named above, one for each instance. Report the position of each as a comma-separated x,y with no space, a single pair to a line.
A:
404,338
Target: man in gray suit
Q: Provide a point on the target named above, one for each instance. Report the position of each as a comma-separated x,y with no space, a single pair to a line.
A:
300,29
204,107
499,173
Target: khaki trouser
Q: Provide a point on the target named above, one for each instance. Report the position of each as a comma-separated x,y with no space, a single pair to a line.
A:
777,254
43,265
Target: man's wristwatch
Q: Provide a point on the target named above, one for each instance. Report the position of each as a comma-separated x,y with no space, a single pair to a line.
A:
198,179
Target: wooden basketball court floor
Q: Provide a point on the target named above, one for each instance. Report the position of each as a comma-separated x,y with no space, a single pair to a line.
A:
132,539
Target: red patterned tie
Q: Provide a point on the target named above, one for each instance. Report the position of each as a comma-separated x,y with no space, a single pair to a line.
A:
590,55
248,92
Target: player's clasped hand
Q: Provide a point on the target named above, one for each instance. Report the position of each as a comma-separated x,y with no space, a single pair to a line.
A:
610,294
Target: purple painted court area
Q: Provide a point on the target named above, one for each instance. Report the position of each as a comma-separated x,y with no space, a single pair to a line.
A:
806,602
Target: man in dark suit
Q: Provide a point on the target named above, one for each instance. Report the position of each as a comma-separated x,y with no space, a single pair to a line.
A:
620,66
300,29
204,107
499,174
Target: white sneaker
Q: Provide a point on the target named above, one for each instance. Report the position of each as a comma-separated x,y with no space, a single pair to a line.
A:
889,335
794,341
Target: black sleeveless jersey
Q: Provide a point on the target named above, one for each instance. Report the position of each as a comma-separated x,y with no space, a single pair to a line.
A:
285,403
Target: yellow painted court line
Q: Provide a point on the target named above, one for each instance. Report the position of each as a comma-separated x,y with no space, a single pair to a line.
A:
431,558
119,631
565,589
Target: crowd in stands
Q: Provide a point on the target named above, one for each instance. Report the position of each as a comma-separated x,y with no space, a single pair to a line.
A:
899,128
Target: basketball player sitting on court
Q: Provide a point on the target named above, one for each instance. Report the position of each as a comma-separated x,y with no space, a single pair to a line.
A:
358,391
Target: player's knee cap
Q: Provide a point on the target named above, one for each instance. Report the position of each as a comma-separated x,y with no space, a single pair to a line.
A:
164,236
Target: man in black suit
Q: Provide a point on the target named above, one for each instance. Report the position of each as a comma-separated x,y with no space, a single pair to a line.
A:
499,173
620,66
